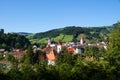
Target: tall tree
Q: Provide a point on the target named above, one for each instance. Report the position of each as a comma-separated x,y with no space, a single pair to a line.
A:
114,46
28,57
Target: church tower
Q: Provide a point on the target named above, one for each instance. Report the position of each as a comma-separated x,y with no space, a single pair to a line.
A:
49,41
81,41
59,46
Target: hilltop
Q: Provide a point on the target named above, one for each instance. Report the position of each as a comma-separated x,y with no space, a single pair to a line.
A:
23,33
72,33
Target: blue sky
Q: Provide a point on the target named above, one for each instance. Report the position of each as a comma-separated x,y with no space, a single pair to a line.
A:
43,15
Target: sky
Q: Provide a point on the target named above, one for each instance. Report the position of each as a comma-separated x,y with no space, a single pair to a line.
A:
35,16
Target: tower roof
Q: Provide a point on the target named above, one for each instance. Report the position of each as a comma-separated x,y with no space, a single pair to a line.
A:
59,42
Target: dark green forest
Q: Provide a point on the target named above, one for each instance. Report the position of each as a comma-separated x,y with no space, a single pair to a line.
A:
13,40
104,65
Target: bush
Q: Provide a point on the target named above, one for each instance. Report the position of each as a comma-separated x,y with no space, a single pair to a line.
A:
1,56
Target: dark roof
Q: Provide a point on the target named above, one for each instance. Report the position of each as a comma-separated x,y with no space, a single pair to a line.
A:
79,47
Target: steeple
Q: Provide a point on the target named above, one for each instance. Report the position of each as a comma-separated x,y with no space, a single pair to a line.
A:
59,42
49,41
81,40
59,46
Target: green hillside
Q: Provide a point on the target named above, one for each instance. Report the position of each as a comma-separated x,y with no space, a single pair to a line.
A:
63,38
68,34
72,33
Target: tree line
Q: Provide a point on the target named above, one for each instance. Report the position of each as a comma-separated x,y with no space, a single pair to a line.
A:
13,40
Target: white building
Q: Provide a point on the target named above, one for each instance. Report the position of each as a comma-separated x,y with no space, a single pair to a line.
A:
81,41
59,47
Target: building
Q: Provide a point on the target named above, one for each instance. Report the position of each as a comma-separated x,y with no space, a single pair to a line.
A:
50,55
82,41
59,46
2,50
1,31
79,49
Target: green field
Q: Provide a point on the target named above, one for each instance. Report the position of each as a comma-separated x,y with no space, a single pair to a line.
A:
62,37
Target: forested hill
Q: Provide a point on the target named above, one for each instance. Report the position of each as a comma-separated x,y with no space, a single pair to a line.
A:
72,33
13,40
75,31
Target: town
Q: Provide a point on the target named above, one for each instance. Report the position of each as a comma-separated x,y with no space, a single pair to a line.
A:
59,39
58,59
52,49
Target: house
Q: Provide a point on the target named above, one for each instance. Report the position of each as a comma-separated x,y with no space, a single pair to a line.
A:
79,49
24,52
102,44
50,55
2,50
71,50
17,53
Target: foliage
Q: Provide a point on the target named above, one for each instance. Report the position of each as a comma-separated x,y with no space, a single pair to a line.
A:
1,56
91,51
114,45
28,57
113,52
92,33
10,57
13,40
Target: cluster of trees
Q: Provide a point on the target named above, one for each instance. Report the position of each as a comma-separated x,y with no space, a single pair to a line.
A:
67,67
13,40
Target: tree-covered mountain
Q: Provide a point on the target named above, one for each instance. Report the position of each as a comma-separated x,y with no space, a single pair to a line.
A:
72,33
